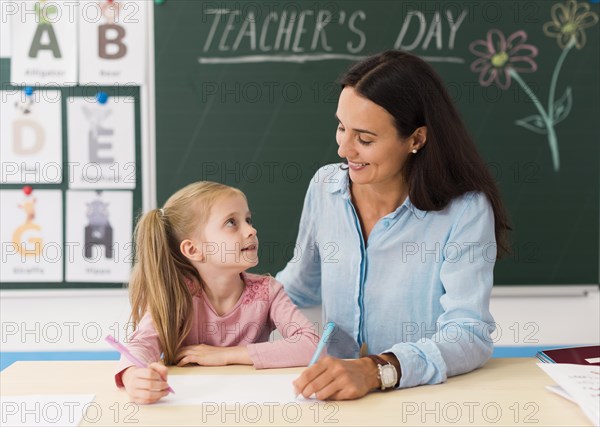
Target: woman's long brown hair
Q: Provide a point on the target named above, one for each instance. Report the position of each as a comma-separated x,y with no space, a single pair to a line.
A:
449,164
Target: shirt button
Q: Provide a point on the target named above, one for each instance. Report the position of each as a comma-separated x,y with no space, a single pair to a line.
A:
386,223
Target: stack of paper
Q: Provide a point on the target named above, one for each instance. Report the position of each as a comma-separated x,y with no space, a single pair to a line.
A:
578,383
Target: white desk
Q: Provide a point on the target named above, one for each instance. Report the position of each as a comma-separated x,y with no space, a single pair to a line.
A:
504,392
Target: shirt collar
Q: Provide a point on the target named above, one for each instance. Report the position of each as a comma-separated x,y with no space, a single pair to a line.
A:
418,213
340,183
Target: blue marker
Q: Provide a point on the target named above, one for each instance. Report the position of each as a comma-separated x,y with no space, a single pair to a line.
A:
326,333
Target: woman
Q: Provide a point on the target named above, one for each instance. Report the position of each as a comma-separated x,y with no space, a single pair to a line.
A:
399,244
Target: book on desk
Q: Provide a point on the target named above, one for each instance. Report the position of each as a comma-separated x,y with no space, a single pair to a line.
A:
586,355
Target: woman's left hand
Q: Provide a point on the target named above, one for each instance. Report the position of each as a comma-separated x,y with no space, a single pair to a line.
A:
208,355
338,379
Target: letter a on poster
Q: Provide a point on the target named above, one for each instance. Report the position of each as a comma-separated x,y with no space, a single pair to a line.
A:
44,51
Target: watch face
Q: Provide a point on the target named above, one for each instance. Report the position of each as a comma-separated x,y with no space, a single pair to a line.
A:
388,376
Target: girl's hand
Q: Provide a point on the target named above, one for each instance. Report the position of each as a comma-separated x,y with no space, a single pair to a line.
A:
337,379
208,355
146,385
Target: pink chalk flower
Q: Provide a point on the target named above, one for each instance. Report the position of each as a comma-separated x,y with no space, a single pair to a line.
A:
498,55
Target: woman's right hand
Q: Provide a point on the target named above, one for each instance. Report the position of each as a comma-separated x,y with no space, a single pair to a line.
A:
146,385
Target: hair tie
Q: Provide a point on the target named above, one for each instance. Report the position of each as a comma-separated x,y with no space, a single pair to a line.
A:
162,212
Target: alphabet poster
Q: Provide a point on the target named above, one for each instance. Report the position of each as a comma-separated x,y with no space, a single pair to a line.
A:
4,33
101,143
31,135
43,48
112,42
99,236
31,235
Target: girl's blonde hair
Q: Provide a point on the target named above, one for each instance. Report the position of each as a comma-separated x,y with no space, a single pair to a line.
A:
158,280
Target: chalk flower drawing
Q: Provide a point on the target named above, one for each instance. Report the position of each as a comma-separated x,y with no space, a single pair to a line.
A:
569,22
501,59
498,55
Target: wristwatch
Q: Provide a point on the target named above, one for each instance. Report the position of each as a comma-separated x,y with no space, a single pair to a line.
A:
388,376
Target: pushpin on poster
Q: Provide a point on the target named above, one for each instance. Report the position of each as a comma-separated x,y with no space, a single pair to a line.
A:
25,105
102,98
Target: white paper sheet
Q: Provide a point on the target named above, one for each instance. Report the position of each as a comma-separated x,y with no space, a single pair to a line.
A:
45,410
231,389
560,391
581,383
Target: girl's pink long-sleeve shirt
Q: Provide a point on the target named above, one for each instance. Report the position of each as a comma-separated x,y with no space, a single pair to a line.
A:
263,307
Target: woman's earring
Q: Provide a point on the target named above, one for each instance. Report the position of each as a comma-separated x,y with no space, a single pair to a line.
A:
414,151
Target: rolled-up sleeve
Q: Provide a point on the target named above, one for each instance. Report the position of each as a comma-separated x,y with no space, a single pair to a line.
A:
462,341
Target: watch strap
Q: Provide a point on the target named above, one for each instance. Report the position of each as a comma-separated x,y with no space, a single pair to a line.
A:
379,361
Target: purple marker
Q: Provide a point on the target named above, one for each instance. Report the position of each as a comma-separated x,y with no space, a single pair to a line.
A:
125,352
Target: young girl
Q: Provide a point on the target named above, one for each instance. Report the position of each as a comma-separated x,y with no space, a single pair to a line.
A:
192,300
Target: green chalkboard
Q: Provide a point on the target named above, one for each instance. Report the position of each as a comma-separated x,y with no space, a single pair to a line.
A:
246,95
89,92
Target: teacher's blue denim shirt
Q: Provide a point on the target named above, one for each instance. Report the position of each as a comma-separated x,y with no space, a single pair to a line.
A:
419,287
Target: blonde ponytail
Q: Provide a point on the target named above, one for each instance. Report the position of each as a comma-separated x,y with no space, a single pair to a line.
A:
158,280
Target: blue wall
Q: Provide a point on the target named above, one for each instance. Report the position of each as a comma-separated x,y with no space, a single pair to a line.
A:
8,358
